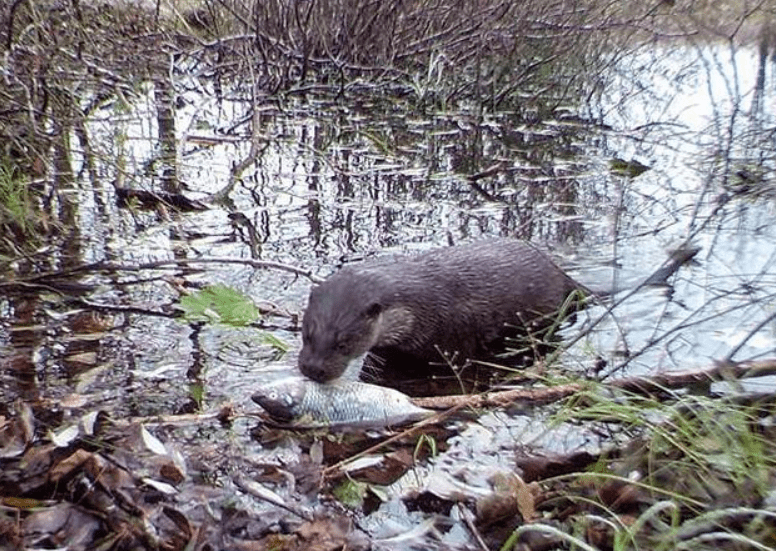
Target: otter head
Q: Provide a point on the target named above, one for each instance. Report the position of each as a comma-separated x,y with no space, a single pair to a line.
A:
340,324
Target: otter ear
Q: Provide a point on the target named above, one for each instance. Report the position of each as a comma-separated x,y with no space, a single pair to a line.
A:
373,310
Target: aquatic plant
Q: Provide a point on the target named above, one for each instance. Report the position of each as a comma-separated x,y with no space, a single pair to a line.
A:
20,215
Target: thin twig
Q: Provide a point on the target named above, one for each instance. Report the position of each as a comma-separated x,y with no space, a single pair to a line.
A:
333,469
259,491
104,266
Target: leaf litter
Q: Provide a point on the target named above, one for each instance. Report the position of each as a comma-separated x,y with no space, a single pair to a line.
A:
108,483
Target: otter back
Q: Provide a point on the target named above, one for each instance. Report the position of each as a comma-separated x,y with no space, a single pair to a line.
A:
457,300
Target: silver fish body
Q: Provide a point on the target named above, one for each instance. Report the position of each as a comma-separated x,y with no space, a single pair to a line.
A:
306,404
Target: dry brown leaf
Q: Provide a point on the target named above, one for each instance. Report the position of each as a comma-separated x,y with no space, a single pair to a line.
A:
60,526
65,467
511,495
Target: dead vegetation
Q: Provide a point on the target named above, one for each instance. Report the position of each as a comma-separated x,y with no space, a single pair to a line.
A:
679,480
63,59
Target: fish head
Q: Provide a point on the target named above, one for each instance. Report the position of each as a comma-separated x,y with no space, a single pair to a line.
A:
281,398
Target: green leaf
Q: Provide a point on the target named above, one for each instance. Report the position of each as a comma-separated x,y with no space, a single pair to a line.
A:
630,169
275,342
219,304
350,493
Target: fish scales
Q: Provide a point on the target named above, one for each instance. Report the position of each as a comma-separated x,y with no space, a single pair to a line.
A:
305,403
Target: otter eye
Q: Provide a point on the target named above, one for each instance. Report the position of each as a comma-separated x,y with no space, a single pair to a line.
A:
342,347
373,310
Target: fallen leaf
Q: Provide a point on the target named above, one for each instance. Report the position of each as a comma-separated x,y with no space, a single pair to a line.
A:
160,486
68,465
64,437
152,442
511,495
171,472
63,523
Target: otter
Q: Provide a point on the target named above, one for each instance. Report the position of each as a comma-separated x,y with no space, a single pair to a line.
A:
459,301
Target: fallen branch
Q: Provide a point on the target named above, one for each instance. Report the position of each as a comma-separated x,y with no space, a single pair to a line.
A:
258,264
104,266
500,398
640,385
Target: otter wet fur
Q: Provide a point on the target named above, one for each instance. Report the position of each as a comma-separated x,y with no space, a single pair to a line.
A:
460,301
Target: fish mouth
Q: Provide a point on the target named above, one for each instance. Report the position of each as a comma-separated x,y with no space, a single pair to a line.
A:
279,399
275,410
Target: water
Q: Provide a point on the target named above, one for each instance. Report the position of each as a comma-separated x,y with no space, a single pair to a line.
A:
334,182
328,181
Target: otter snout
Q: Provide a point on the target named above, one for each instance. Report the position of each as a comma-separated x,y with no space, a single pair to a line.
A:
314,370
317,367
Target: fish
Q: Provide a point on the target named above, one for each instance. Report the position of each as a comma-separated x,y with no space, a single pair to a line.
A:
303,403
